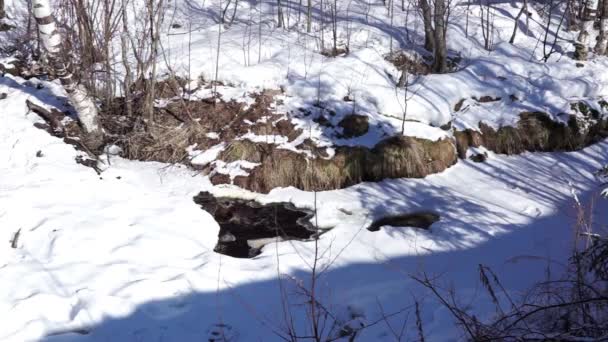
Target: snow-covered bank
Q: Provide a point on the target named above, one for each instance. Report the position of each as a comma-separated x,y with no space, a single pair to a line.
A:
127,255
255,55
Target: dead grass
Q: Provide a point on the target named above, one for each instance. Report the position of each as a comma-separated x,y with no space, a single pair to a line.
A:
535,131
395,157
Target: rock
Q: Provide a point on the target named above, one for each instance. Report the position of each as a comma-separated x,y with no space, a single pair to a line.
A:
323,121
422,220
479,157
458,105
245,222
486,99
219,178
354,125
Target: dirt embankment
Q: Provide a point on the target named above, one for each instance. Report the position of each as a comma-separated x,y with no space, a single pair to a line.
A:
395,157
537,132
180,125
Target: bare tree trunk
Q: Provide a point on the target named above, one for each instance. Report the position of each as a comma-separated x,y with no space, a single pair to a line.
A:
524,8
124,41
2,13
108,13
78,95
602,42
573,11
280,18
441,52
466,25
86,42
391,12
155,17
309,16
334,27
582,42
486,24
427,17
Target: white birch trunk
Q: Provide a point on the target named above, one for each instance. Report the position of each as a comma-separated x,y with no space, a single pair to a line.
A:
582,42
51,41
602,42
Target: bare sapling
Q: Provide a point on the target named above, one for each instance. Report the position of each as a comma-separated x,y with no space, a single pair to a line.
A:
548,45
524,10
155,14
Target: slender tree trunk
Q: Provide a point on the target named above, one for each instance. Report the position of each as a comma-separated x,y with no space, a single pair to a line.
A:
466,25
582,42
124,41
334,23
391,12
280,18
524,8
572,9
309,16
223,18
155,19
79,98
441,52
429,34
602,42
2,13
86,43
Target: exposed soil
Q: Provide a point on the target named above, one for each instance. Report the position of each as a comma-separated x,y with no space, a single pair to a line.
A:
412,64
180,124
422,220
245,226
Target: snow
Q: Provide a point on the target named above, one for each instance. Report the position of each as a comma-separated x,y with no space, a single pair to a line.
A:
235,168
202,158
254,58
128,256
287,60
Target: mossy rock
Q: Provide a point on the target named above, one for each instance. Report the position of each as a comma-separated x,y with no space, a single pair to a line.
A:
354,125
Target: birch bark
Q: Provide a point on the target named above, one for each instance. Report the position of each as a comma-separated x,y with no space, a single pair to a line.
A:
78,96
602,42
582,42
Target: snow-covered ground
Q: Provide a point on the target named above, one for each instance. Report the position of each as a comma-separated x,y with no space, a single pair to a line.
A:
255,54
127,255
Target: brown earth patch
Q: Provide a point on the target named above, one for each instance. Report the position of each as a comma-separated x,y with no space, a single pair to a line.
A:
182,123
415,66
